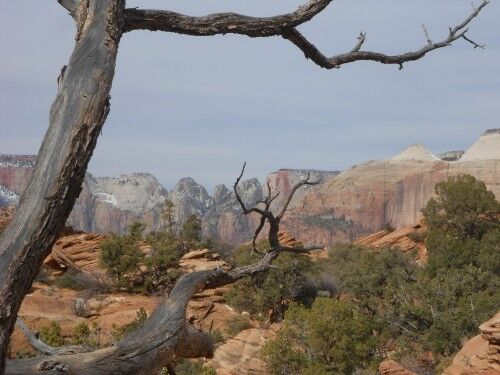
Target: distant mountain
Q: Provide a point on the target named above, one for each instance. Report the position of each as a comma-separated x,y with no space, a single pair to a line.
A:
360,200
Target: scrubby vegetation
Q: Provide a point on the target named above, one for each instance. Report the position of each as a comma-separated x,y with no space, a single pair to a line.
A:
51,334
189,367
391,305
267,295
78,280
133,270
332,337
83,334
237,324
121,255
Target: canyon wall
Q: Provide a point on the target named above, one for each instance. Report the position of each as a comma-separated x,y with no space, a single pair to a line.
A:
344,206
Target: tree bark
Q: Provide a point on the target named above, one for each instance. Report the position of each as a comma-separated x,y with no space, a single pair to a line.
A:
76,119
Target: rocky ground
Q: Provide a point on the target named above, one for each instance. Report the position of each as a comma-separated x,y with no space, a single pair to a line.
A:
207,310
238,355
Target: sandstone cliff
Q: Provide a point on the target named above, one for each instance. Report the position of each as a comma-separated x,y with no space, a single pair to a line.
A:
388,193
364,199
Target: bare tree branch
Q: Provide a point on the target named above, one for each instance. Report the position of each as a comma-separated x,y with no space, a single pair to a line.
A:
292,193
361,40
220,23
313,53
427,36
285,25
266,213
476,45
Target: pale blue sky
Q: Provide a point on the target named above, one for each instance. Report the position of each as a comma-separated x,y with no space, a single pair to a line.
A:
199,106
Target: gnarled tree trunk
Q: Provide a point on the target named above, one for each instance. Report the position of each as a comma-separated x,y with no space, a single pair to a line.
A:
76,119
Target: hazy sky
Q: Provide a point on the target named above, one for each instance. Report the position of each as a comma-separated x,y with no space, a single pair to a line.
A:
199,106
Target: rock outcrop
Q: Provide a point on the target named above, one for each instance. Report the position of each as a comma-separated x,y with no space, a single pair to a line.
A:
78,250
451,155
378,194
481,354
240,355
405,239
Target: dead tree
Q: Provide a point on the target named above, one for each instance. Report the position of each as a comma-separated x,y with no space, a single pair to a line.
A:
82,105
165,335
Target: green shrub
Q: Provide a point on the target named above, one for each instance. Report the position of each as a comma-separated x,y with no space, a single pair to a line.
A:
331,337
237,324
462,206
121,256
460,282
287,280
168,216
191,229
193,367
51,334
83,335
163,261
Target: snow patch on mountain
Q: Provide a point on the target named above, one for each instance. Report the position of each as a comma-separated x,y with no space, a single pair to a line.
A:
8,197
17,161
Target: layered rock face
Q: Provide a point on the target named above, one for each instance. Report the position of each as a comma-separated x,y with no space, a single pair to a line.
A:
389,193
112,204
364,199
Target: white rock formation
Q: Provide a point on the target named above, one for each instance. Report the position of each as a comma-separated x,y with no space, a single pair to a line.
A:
416,152
487,147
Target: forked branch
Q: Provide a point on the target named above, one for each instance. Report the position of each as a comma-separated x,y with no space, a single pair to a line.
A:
268,216
312,52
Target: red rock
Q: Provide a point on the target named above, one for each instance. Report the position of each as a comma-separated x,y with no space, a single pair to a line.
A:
405,239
